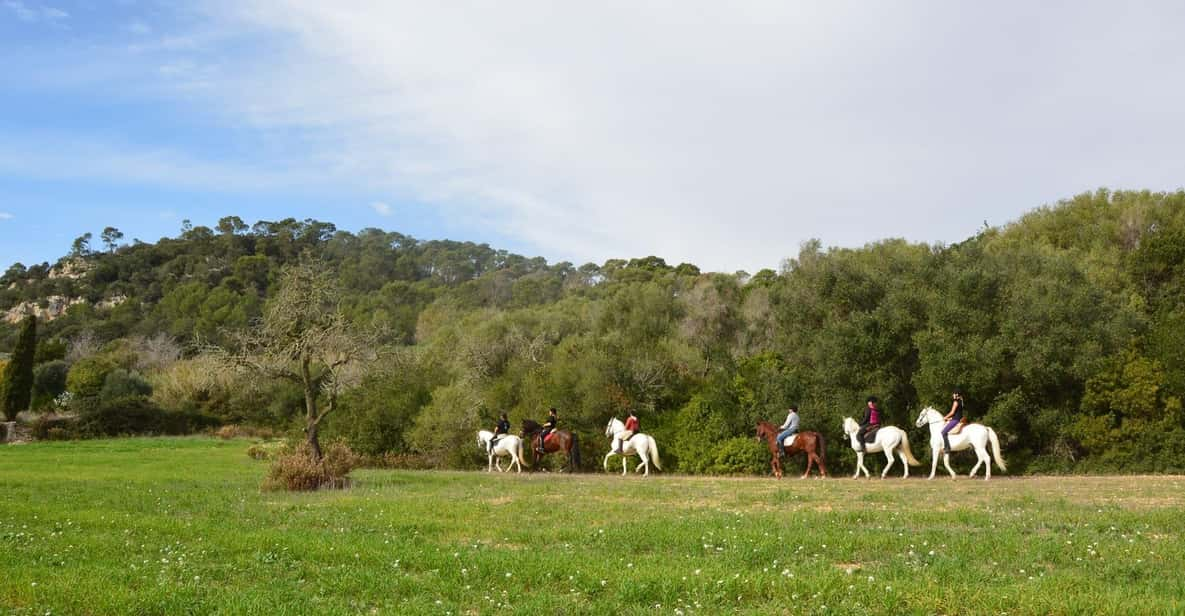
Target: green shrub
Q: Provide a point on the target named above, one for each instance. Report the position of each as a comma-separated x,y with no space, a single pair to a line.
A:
121,383
49,382
55,428
740,456
87,376
137,415
268,450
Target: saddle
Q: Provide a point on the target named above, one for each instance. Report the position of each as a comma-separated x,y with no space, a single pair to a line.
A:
870,436
958,428
550,436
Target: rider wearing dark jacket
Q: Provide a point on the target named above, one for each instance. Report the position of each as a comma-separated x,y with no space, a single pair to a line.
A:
553,420
502,429
871,421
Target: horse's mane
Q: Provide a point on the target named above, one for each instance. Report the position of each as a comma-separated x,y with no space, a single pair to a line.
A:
530,425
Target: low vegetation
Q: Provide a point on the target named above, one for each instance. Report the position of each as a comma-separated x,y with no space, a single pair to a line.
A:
179,525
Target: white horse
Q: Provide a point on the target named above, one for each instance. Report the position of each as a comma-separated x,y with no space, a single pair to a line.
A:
642,445
889,439
507,445
973,435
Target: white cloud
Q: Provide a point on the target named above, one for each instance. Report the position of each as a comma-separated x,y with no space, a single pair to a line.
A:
717,133
380,208
6,216
721,134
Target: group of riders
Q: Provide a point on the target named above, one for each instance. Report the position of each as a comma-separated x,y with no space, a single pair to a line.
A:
632,427
870,423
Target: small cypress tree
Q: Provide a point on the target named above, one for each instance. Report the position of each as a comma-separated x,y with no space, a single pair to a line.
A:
18,374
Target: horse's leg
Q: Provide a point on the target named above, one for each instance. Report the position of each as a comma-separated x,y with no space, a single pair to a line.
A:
933,461
946,462
607,456
888,451
978,462
984,459
904,462
859,464
810,460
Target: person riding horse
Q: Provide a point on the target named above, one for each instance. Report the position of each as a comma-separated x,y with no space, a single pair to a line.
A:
500,430
952,418
553,420
632,427
871,421
788,429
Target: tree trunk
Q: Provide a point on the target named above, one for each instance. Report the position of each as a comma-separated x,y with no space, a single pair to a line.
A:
310,406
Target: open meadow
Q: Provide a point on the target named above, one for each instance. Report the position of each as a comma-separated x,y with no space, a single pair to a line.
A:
174,526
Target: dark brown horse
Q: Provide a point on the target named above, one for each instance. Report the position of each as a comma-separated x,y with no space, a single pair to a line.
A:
561,440
810,443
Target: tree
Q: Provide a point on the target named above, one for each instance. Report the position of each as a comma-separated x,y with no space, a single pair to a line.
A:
305,338
81,246
111,237
18,374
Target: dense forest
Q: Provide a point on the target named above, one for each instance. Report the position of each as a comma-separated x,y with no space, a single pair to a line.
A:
1065,329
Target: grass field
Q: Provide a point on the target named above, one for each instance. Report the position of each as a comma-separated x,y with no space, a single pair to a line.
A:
175,526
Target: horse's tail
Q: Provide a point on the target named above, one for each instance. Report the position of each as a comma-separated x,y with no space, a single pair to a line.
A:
822,453
907,451
575,452
654,453
996,449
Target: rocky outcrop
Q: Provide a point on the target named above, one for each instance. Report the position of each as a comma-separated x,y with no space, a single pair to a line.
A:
55,306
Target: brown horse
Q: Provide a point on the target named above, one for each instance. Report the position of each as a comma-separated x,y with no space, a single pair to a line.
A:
810,443
561,440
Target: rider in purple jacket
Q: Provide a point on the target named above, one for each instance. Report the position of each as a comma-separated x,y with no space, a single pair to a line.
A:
872,420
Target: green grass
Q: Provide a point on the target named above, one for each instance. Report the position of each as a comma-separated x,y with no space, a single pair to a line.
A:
175,526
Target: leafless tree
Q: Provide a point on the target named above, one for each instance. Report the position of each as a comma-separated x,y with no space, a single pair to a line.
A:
82,346
303,337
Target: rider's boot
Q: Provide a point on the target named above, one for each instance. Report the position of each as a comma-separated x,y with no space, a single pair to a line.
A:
946,443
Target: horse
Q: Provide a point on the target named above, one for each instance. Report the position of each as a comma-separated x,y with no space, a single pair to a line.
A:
642,445
972,435
810,443
888,439
508,445
561,440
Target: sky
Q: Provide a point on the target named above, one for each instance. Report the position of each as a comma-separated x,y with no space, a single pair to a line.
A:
722,134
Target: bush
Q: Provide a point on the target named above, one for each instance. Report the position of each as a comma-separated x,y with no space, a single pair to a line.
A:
50,427
121,383
299,472
230,431
49,382
87,376
137,415
740,456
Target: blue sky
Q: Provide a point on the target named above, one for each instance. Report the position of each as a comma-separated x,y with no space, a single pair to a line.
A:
725,135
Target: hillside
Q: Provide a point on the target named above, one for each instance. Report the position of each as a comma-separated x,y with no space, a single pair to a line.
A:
1065,329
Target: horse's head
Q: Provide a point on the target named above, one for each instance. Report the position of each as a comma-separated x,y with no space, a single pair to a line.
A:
764,431
925,416
850,426
530,426
483,436
614,426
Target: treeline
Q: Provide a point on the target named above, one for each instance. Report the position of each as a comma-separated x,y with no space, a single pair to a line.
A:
1065,330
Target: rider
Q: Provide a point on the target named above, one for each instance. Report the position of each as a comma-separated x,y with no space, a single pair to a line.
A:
502,429
872,421
952,418
788,428
631,428
553,419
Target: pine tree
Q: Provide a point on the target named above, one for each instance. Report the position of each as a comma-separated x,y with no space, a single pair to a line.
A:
18,374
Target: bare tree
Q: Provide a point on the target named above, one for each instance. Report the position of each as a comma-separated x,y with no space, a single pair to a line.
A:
303,337
82,346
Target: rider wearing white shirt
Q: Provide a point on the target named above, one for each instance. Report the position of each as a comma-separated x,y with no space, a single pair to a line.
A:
788,428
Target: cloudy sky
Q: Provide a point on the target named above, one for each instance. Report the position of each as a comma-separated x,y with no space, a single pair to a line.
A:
724,134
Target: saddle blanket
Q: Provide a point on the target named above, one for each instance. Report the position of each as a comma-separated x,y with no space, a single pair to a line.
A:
789,442
959,427
550,437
